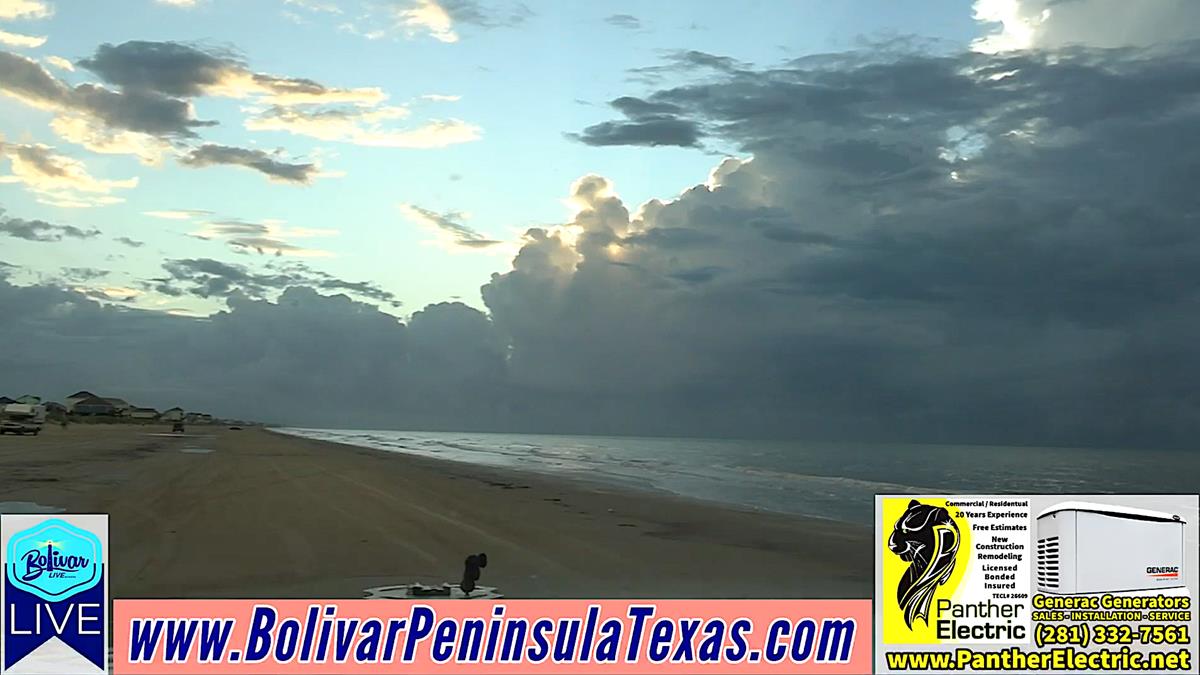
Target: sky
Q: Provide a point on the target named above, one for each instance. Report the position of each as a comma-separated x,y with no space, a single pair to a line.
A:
952,222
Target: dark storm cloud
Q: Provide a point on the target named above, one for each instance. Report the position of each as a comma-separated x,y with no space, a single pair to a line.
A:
40,230
259,359
265,163
928,246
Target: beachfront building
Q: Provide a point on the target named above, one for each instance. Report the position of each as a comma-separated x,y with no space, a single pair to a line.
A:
77,397
4,400
55,410
121,407
93,407
198,418
30,399
143,414
172,415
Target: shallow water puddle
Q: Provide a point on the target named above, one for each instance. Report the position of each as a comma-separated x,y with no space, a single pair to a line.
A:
28,507
196,451
404,592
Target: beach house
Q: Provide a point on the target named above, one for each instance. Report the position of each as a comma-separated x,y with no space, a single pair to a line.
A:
77,397
93,407
143,413
172,415
4,400
121,407
30,399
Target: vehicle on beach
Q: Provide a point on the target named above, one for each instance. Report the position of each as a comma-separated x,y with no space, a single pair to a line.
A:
177,428
21,419
19,428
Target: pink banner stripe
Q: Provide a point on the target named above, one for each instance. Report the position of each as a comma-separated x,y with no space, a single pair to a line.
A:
180,637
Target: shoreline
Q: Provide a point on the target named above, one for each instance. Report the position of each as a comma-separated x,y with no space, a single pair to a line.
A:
258,514
578,480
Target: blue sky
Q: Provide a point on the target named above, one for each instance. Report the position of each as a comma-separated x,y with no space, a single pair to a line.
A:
522,77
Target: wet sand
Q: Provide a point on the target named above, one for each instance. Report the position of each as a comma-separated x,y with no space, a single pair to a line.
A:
253,514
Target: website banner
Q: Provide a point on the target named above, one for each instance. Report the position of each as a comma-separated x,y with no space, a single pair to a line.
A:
1036,583
177,637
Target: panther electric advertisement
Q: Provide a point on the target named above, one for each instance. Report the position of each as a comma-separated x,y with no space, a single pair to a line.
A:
1035,583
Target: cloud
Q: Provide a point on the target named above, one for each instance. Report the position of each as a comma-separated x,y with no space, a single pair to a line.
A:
647,123
178,214
924,246
22,41
264,238
430,17
362,126
99,138
144,112
148,112
492,15
437,19
628,21
60,63
207,278
258,358
40,230
180,70
59,180
647,131
315,6
449,226
78,274
102,120
131,243
261,161
25,9
687,61
1026,24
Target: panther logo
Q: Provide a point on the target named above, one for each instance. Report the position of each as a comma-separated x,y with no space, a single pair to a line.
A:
927,537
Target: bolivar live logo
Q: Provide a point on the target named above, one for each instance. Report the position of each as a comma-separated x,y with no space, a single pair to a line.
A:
55,594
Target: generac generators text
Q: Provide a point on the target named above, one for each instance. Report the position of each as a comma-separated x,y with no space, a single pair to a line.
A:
1107,601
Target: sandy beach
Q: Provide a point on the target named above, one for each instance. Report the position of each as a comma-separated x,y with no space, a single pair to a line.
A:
254,514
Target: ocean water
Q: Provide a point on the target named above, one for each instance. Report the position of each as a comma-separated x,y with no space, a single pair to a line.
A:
825,480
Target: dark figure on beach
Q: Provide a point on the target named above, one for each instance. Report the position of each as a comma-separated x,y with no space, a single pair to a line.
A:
473,564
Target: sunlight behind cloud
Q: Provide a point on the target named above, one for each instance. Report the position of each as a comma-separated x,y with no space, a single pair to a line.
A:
1016,29
430,17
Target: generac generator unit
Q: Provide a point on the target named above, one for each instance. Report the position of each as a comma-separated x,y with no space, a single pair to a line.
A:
1098,548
